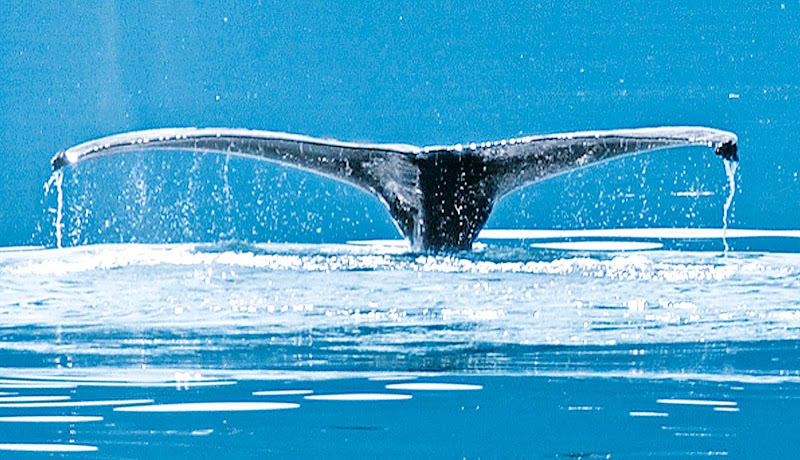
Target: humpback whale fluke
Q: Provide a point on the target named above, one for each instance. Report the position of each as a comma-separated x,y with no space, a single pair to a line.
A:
440,196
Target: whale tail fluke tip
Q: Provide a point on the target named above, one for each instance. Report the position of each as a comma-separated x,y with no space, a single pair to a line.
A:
59,160
728,150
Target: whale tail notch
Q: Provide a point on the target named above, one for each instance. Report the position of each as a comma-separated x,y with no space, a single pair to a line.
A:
441,196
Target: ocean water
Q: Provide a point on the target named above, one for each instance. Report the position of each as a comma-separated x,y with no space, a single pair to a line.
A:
550,348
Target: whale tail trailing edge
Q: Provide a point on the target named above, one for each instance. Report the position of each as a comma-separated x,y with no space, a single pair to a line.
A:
440,197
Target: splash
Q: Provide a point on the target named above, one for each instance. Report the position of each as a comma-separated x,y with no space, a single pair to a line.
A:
57,179
228,197
730,172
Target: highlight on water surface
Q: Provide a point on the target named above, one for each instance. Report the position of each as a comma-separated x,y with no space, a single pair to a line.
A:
210,407
26,399
282,392
359,397
648,414
23,447
51,419
94,403
433,386
697,402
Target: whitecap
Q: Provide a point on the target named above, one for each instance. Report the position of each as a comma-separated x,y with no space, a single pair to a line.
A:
432,386
209,407
648,414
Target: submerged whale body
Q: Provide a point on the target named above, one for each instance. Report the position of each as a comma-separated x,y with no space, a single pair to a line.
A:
440,196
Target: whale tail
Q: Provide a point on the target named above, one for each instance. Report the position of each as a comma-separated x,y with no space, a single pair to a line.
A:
441,196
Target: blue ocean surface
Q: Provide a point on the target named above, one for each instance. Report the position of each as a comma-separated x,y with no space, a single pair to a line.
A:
556,349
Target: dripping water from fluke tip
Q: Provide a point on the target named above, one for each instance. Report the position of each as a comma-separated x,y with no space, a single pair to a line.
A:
57,179
730,172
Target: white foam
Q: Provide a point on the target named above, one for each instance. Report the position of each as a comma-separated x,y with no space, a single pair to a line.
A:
11,399
599,246
209,407
360,397
697,402
648,414
108,402
50,419
282,392
48,448
431,386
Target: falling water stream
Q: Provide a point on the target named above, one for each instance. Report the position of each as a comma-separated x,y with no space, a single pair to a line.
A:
730,172
57,179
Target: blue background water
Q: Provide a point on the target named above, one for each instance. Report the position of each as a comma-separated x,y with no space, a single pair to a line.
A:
439,73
